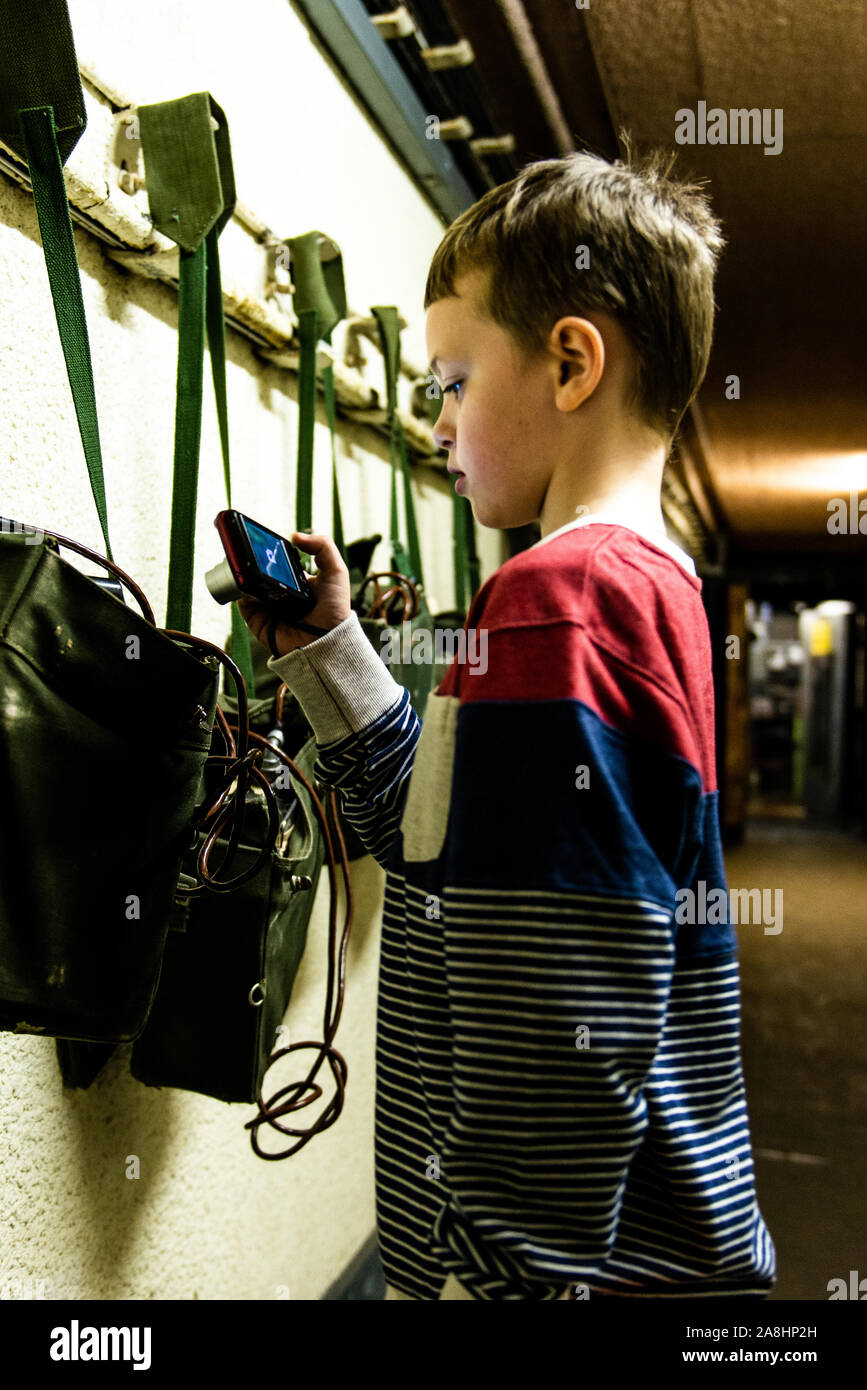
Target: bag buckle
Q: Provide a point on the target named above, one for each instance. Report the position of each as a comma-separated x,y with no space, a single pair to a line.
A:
186,883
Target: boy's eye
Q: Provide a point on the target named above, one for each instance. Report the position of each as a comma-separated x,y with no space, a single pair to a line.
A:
453,387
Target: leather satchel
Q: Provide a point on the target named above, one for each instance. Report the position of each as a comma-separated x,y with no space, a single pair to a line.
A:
106,720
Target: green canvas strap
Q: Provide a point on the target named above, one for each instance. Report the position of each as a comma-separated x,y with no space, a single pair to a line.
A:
465,555
407,560
331,411
469,562
38,67
215,320
191,193
55,226
42,117
466,560
319,301
308,334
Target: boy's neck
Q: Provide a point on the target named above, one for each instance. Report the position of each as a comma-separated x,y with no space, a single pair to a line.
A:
623,481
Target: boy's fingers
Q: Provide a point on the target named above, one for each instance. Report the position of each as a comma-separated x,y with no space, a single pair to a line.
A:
316,545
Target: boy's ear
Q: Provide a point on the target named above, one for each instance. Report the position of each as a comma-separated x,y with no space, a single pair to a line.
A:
579,354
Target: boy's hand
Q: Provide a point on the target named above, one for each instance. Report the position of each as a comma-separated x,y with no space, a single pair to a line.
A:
330,586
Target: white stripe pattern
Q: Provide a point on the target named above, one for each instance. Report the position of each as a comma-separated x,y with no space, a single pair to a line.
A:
507,1152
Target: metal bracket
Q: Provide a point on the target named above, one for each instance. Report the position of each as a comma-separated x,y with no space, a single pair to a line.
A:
397,24
453,55
492,144
366,326
459,128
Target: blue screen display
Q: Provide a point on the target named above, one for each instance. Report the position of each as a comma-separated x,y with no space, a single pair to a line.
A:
271,555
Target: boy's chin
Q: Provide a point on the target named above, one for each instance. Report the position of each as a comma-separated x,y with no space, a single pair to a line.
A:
501,521
495,516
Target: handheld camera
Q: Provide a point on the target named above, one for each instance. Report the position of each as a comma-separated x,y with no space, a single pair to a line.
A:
259,564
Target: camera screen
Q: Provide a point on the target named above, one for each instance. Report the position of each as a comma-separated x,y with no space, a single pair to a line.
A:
270,555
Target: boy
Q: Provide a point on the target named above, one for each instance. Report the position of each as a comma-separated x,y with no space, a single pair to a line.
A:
559,1101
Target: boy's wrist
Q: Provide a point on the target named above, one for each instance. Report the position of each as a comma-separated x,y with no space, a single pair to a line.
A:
340,681
305,634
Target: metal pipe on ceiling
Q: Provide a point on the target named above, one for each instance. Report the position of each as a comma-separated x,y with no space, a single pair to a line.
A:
525,42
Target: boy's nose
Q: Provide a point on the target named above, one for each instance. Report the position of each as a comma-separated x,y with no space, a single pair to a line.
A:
443,434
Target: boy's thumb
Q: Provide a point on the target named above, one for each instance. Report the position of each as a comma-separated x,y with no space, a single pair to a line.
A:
320,546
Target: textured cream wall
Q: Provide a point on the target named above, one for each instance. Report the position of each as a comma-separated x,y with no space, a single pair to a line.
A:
207,1218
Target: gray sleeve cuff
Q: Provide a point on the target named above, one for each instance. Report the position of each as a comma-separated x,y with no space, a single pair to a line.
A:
340,682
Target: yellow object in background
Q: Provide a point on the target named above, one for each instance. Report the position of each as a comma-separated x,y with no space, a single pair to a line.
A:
821,638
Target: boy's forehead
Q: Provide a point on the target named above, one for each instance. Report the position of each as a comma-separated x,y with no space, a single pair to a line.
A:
452,314
467,293
444,315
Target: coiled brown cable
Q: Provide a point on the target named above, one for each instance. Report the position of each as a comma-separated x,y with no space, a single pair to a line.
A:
100,560
269,1111
240,764
404,588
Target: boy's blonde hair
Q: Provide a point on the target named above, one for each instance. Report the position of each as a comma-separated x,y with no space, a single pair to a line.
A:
651,250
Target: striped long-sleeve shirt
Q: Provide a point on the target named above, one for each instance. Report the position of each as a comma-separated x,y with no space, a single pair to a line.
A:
559,1088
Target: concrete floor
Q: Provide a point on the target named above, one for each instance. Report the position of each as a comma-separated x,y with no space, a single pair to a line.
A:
805,1058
